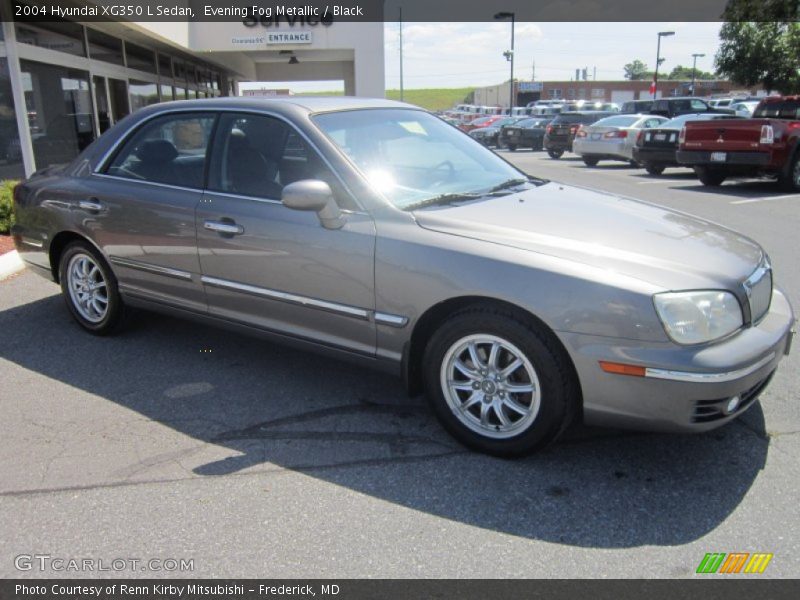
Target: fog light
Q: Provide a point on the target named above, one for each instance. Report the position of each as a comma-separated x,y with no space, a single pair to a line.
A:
733,403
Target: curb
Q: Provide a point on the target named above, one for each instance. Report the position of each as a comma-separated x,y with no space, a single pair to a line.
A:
10,264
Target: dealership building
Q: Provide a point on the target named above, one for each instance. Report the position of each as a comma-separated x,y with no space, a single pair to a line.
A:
63,83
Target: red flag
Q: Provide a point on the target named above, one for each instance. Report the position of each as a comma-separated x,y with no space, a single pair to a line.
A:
653,88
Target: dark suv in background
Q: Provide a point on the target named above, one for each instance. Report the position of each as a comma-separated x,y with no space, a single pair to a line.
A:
636,107
674,107
560,134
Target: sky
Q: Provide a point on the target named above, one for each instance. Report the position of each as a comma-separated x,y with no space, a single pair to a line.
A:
471,54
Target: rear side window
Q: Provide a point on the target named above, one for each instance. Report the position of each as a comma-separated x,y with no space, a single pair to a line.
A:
563,119
170,150
617,121
784,109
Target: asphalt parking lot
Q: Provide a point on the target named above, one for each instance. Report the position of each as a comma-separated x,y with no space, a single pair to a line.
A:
176,440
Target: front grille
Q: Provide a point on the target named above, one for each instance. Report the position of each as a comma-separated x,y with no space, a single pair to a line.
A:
706,411
759,292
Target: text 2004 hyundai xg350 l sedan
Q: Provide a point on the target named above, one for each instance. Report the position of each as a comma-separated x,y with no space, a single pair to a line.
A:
372,230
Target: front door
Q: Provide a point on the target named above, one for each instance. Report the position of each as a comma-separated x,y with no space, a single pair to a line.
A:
273,267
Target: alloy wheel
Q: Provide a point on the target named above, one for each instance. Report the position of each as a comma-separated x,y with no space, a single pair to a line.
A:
88,289
490,386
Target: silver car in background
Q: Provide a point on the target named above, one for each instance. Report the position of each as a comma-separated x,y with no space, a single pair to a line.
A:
373,231
612,138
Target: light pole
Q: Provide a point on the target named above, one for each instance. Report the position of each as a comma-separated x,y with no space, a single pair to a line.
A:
658,59
509,57
694,68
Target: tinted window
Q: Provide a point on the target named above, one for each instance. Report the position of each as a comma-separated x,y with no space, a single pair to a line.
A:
698,105
170,149
569,119
783,109
257,156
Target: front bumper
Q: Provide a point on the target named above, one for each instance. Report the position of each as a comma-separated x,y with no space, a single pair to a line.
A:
686,389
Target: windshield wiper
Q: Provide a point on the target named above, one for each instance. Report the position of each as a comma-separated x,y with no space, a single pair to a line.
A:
444,199
515,182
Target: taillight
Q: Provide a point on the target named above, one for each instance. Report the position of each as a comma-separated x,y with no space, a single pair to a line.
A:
573,129
616,134
580,133
549,129
682,135
640,138
767,135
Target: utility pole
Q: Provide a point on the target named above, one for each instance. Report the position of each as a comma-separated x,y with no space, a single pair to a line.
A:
400,9
694,68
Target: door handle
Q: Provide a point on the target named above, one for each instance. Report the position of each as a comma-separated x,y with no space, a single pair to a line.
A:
92,204
221,227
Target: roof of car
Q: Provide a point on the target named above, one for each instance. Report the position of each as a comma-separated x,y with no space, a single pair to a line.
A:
311,104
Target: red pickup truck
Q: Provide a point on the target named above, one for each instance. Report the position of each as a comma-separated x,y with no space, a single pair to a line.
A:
766,144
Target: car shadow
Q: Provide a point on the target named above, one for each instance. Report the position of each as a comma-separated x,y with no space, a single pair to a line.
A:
742,189
265,405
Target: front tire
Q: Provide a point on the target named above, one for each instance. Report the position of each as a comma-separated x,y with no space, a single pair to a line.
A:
498,384
555,154
90,289
709,177
512,147
590,162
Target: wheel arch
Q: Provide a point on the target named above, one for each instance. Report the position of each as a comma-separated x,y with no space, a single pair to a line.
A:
57,245
427,324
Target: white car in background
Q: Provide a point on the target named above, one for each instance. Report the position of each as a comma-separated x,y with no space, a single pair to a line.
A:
744,108
612,138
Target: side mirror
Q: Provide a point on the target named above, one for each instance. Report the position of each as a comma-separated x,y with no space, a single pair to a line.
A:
316,195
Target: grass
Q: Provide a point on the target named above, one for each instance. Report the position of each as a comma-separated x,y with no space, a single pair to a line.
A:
431,99
6,205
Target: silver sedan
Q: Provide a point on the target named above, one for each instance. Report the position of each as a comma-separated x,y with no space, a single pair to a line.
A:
612,138
375,232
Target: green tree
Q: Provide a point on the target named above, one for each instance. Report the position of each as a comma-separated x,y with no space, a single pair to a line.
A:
760,44
680,72
637,70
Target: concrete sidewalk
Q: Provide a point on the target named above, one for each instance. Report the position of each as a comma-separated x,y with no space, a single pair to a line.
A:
10,264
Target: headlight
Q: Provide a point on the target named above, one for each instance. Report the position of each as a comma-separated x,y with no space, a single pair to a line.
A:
698,317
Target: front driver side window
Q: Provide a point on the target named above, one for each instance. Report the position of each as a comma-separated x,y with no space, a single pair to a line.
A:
257,155
171,150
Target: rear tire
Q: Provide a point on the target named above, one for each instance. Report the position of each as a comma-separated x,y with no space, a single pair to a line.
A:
555,154
590,162
709,177
634,164
482,398
90,289
654,169
791,182
512,147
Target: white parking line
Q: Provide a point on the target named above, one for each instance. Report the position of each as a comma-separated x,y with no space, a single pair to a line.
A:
765,199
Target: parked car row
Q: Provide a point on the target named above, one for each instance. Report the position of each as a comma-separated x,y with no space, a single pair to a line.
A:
715,145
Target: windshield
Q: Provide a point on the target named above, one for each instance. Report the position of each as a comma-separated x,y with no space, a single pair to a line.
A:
411,156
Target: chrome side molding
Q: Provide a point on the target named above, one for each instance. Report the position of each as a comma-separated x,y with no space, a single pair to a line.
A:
140,266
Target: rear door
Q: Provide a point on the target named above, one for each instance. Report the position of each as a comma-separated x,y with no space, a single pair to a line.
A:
139,208
272,267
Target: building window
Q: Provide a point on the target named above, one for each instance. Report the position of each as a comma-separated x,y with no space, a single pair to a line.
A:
60,36
164,67
554,94
59,105
105,47
582,93
598,93
142,93
140,58
166,93
10,150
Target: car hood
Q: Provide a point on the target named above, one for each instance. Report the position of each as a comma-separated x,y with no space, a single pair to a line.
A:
666,248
